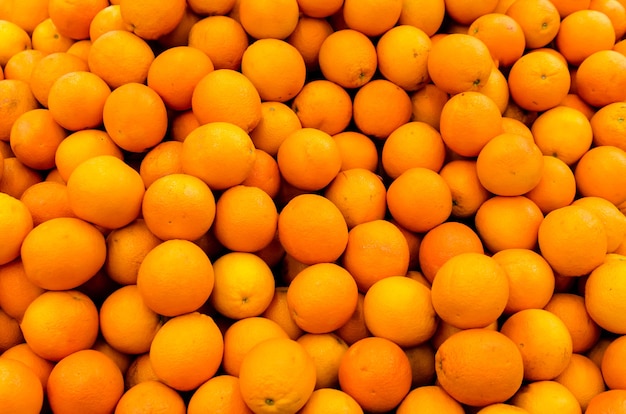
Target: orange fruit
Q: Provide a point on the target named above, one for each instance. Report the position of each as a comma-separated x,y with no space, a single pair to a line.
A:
425,15
17,222
543,340
359,194
277,121
163,159
445,330
20,388
509,165
571,309
419,199
592,76
268,19
427,398
468,121
355,328
120,115
16,177
231,150
470,290
459,62
228,96
139,370
106,20
80,49
24,354
604,294
264,58
373,18
128,335
572,100
277,374
278,311
612,218
599,173
616,12
539,19
35,137
327,350
612,361
357,151
244,285
222,38
47,200
546,395
180,35
465,12
322,297
422,359
154,394
63,253
221,392
375,250
332,401
21,64
73,20
400,309
15,39
324,105
348,58
312,229
428,102
245,219
573,39
376,373
221,7
25,14
59,323
505,222
265,174
47,38
468,193
18,100
181,124
607,401
174,74
187,350
105,191
557,186
132,56
497,89
502,408
16,290
50,68
11,330
540,80
502,35
307,38
319,9
606,125
149,20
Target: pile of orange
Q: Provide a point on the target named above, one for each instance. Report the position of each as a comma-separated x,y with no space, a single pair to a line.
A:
313,206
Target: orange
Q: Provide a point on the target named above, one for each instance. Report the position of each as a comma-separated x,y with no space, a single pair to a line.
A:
243,335
265,174
574,39
567,7
502,35
612,361
327,350
221,7
425,15
459,62
445,330
604,294
606,124
231,150
85,380
20,388
154,394
73,19
62,253
607,401
357,151
18,100
268,19
35,137
557,186
14,40
612,218
105,191
502,408
324,105
80,49
355,328
616,12
468,121
16,290
180,35
106,20
174,74
422,359
429,398
21,64
583,378
139,370
373,18
543,340
47,38
181,124
592,76
515,125
597,351
277,375
442,243
264,58
245,219
221,393
375,250
497,89
359,194
539,19
17,222
322,297
509,165
80,146
540,80
149,20
419,199
571,308
24,354
574,101
470,290
244,285
161,275
16,177
564,133
277,121
400,309
47,200
26,14
222,38
505,222
479,367
132,56
187,351
546,395
11,330
126,333
163,159
348,58
599,173
427,103
278,311
129,103
59,323
465,12
332,401
467,192
319,9
228,96
376,373
307,38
